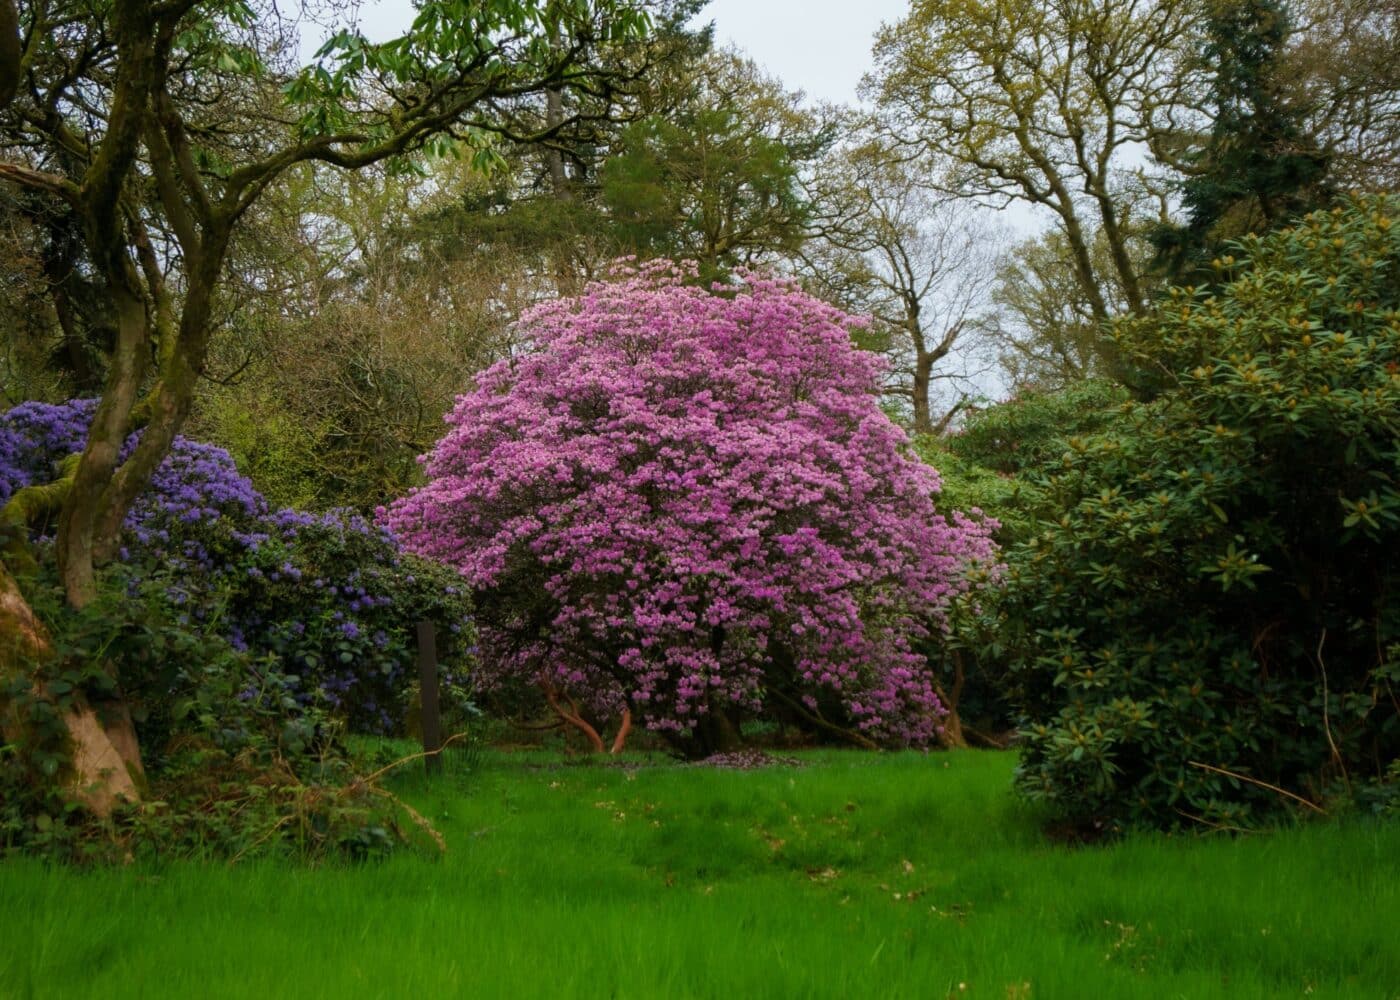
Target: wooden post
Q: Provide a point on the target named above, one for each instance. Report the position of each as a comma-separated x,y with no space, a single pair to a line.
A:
428,698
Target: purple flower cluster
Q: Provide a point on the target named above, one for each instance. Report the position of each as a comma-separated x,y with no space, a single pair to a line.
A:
35,436
329,595
693,493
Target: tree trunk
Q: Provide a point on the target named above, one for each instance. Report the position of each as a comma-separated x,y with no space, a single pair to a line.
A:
110,425
103,735
554,114
625,727
106,766
11,53
715,732
1122,261
951,734
923,376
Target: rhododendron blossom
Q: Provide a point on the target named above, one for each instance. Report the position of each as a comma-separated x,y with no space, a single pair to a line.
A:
687,502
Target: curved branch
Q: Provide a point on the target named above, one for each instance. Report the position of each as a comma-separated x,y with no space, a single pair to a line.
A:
573,717
40,180
25,508
859,739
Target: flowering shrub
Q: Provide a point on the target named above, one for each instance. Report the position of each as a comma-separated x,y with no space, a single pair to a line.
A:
689,505
330,595
34,436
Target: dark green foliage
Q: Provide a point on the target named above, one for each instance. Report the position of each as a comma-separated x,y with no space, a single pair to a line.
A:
1259,166
716,178
989,465
1220,590
1031,429
329,596
239,762
707,187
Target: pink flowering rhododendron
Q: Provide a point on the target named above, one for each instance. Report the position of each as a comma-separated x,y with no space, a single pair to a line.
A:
686,503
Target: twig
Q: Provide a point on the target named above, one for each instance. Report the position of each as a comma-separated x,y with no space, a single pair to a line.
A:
371,778
1262,784
418,818
1326,717
815,719
263,839
1205,822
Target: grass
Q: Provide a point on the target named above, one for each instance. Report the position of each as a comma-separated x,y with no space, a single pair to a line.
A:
854,876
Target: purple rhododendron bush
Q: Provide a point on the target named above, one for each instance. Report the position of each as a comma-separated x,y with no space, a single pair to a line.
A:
326,597
686,507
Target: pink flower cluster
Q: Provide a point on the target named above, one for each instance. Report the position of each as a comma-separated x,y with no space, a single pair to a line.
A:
681,499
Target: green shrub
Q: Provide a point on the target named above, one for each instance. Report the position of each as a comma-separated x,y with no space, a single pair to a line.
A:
989,465
1215,610
1029,430
238,762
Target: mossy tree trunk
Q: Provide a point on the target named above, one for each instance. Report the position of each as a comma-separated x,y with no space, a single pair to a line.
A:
104,764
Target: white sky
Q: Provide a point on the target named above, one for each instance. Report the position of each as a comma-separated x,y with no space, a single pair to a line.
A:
820,47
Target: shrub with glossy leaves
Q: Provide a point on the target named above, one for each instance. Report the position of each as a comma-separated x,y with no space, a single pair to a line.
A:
1216,609
991,463
329,595
688,503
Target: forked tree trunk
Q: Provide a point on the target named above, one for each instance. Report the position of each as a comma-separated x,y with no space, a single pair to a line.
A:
106,765
571,716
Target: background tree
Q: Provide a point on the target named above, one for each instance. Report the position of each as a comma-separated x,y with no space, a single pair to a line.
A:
716,179
1339,66
887,244
1259,167
1046,104
1043,328
388,290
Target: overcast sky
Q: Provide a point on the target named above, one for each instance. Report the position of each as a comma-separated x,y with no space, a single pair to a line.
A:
818,46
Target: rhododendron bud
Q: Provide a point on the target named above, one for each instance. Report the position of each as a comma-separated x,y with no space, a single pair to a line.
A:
685,502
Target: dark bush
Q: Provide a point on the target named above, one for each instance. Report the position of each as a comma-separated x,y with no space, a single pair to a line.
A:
1210,628
991,464
239,763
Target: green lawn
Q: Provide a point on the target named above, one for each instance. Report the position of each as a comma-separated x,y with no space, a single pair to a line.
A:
854,876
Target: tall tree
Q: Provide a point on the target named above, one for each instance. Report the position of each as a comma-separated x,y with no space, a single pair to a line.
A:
160,126
716,179
888,244
1044,329
1259,166
1340,66
1048,104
